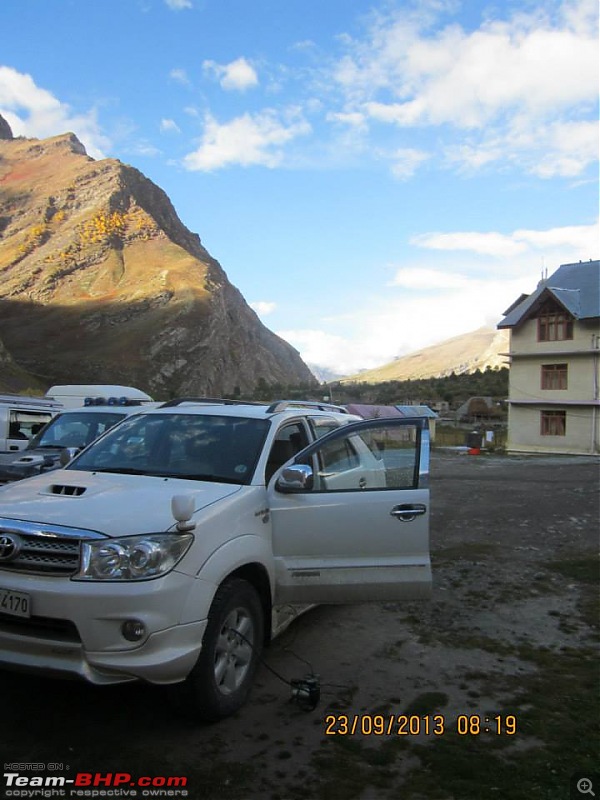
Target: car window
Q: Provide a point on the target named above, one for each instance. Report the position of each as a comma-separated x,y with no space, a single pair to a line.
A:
191,446
25,424
339,455
322,425
289,440
376,458
75,429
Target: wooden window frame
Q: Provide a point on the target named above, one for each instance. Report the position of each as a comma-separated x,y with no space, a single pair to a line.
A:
553,423
554,326
554,376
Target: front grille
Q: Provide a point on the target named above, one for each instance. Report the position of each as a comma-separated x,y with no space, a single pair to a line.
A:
62,630
53,556
39,548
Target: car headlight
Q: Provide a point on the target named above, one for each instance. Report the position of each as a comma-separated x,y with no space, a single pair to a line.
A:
132,558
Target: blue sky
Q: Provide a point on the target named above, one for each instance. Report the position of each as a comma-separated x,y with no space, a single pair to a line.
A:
374,177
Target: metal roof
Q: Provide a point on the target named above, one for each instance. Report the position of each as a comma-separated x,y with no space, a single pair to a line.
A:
575,286
372,411
417,411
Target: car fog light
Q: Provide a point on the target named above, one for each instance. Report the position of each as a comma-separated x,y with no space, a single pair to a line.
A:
133,630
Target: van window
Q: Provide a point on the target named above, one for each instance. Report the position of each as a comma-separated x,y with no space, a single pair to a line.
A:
25,424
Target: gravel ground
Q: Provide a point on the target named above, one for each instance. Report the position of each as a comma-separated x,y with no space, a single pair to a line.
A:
487,690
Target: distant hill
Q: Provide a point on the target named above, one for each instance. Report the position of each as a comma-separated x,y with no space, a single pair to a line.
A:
100,282
461,354
324,374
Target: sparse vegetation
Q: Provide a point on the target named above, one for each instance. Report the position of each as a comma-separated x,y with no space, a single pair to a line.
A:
103,227
453,389
36,235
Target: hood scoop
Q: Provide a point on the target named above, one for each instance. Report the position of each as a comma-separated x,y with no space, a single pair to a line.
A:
69,491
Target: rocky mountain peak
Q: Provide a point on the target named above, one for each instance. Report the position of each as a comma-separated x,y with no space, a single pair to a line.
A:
102,283
5,129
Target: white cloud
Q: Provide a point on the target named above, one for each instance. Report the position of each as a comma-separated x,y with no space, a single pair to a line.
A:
238,75
143,148
521,90
354,119
486,244
425,279
180,76
263,307
556,149
423,306
252,139
169,126
35,112
571,147
467,78
406,161
580,241
320,348
178,5
400,324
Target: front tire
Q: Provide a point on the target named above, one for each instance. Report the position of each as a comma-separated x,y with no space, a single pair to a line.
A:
232,645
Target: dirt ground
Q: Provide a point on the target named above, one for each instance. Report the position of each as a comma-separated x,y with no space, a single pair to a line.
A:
488,690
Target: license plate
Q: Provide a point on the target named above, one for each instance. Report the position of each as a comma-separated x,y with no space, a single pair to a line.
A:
15,603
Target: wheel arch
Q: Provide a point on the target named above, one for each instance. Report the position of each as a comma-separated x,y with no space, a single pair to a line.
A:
257,575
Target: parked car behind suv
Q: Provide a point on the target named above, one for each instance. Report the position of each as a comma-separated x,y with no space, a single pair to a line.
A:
171,549
63,437
21,418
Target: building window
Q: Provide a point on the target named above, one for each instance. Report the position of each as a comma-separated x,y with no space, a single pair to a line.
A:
554,327
553,423
554,376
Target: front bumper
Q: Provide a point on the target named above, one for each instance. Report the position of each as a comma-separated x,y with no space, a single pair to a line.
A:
75,629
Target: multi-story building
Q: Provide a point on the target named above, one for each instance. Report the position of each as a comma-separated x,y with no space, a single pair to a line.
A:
554,404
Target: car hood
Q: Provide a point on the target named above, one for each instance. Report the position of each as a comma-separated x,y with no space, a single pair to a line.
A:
117,505
22,464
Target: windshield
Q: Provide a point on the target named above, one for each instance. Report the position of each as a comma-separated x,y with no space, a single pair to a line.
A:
74,429
197,447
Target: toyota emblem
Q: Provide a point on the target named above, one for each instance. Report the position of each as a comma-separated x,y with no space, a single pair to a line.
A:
10,546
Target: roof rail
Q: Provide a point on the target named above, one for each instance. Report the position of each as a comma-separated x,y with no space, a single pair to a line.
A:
217,401
23,400
281,405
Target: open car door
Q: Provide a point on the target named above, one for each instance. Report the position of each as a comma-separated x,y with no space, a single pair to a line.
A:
350,516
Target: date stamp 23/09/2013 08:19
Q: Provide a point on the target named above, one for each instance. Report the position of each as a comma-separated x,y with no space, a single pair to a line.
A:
415,725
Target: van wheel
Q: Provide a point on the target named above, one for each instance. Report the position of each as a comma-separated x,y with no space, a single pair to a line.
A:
232,645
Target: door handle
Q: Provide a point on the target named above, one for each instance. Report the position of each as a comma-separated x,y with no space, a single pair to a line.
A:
362,483
407,512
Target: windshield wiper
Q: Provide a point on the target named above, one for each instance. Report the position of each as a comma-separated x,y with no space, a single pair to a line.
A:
196,476
119,470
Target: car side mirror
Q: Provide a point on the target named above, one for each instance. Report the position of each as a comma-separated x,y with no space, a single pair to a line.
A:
295,478
68,454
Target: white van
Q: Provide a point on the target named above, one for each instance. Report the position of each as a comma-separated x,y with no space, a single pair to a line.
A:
22,417
75,395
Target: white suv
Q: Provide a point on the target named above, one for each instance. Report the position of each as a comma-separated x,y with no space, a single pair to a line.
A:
164,550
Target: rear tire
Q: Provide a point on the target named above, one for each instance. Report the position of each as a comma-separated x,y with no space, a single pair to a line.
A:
220,682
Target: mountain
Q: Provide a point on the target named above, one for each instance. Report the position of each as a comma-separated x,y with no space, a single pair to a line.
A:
324,374
14,379
100,282
461,354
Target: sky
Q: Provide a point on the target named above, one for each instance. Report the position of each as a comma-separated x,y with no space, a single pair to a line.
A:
375,177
